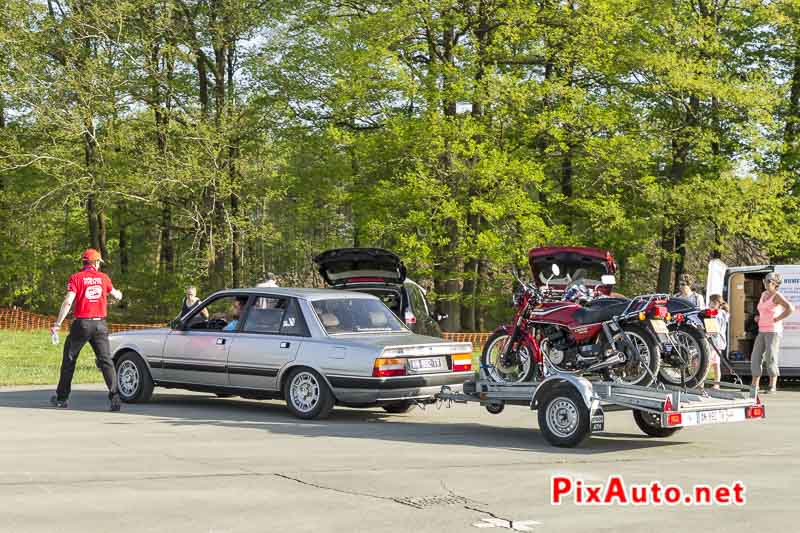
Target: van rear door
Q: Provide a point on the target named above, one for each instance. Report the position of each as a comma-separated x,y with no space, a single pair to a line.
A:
790,344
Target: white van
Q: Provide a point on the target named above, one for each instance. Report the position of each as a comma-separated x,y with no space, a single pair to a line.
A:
742,287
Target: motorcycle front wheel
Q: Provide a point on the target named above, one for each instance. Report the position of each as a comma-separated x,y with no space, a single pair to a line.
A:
517,368
641,368
693,347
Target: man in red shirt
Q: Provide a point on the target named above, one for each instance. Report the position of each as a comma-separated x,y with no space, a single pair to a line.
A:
88,289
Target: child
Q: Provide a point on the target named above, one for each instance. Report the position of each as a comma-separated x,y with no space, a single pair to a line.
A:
720,341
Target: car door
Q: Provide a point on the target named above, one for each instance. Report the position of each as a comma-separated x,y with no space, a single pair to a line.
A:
270,337
198,353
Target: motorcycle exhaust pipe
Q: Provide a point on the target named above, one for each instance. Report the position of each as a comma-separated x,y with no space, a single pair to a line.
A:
605,363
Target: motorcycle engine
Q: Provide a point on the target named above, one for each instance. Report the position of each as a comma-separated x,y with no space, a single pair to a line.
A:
560,348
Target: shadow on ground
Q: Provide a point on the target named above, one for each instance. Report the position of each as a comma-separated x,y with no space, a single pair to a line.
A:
182,410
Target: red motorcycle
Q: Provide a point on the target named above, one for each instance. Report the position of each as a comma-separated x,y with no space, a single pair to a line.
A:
619,339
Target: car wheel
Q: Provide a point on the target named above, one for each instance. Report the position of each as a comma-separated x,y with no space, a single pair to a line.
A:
398,407
307,395
133,379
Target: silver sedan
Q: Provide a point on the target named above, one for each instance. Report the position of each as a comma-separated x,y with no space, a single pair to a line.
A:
313,348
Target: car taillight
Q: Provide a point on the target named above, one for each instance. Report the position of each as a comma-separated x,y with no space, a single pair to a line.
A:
660,312
365,280
462,362
385,368
410,318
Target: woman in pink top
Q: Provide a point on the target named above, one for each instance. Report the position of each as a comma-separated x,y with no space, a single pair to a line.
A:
772,309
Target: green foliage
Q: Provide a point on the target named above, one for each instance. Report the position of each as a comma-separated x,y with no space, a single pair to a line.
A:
210,142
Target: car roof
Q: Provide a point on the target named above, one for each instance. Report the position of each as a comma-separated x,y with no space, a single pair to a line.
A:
301,293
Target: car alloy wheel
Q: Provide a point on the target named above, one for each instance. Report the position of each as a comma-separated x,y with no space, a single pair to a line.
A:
128,379
304,392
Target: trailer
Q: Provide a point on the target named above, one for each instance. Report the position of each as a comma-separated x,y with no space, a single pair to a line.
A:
571,407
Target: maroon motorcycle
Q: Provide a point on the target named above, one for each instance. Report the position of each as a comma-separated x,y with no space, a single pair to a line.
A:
619,339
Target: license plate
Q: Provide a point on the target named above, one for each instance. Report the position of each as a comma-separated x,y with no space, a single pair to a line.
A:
718,416
712,326
426,365
598,421
659,326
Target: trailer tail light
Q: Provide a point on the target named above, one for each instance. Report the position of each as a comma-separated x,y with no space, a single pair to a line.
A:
462,362
410,318
385,368
674,419
755,411
667,404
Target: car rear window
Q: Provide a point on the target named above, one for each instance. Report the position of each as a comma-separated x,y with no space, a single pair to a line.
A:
356,315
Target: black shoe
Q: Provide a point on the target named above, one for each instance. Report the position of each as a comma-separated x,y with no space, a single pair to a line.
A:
115,404
55,402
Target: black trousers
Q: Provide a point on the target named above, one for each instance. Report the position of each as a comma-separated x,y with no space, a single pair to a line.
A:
95,332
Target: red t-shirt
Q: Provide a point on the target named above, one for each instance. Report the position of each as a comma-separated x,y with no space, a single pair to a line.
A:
91,288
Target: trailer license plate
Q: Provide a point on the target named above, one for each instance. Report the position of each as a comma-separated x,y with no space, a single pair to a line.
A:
712,326
718,416
598,421
659,326
426,365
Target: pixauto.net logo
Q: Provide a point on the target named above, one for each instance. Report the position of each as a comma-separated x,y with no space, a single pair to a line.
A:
616,492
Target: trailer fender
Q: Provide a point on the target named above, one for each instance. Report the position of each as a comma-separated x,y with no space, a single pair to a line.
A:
583,386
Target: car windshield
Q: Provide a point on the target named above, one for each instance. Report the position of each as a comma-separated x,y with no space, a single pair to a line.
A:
356,315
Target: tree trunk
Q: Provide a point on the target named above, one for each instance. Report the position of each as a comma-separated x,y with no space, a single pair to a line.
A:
791,132
665,264
680,249
124,260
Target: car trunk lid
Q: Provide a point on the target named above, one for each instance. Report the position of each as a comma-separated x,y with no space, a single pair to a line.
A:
347,266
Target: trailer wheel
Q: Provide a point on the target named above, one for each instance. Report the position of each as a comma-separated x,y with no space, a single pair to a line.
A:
564,417
651,424
495,408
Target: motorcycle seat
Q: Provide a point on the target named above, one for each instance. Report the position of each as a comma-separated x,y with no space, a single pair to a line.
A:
599,313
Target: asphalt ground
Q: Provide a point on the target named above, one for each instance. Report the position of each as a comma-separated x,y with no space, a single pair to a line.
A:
197,463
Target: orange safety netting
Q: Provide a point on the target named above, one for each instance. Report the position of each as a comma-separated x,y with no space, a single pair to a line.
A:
20,319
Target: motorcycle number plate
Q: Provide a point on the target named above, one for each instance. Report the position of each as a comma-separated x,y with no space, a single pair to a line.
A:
598,421
659,326
711,324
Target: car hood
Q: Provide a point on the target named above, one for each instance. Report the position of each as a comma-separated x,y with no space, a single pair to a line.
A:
342,266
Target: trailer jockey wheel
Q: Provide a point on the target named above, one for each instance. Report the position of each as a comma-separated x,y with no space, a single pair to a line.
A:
495,407
650,423
564,417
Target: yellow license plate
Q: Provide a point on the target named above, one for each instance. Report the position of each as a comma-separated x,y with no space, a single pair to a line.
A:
659,326
712,326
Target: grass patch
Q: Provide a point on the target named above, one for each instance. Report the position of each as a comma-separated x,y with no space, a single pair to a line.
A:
30,358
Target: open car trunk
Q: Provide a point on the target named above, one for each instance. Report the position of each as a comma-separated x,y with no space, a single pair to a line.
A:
345,266
590,264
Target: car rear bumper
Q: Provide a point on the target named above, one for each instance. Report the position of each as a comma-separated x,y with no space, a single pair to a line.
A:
366,390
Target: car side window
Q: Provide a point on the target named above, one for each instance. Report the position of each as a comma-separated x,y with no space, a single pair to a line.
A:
275,316
221,314
417,301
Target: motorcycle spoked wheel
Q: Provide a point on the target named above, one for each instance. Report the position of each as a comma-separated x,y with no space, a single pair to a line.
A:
520,370
635,370
694,348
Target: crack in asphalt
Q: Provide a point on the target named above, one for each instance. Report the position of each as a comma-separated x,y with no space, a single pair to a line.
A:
401,501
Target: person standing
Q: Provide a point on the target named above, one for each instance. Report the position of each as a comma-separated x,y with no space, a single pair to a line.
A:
720,340
773,308
269,281
190,301
88,289
687,292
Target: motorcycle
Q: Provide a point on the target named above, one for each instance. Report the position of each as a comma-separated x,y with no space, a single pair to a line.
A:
619,339
690,329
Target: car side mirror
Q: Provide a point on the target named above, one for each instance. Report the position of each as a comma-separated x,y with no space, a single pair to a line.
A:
608,279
